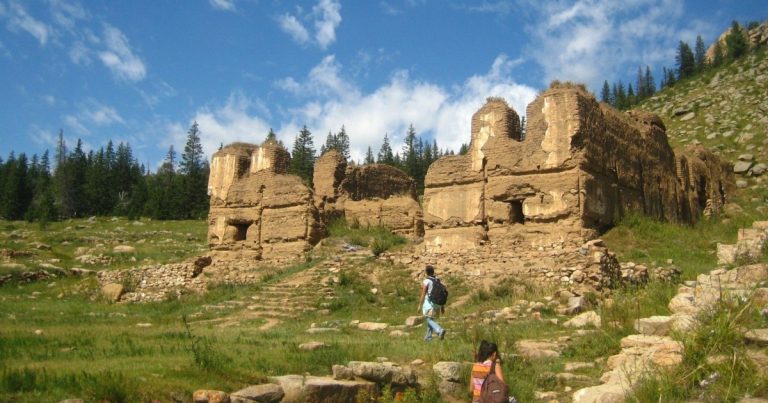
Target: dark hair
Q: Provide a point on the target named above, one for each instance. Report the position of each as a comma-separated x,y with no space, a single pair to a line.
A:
485,350
430,271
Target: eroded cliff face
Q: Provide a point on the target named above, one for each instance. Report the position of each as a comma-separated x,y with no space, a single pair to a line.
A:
580,167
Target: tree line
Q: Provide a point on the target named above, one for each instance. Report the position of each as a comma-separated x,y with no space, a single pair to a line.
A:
688,63
414,159
107,181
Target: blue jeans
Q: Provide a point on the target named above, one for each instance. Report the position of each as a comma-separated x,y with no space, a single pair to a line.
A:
432,326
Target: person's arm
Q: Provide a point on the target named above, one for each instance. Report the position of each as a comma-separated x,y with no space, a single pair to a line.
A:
499,372
421,298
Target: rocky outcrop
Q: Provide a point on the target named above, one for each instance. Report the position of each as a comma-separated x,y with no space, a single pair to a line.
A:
580,167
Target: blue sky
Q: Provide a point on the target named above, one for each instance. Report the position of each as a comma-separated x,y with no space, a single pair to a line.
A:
141,71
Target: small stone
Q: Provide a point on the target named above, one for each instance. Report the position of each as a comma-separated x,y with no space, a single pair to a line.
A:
312,345
124,249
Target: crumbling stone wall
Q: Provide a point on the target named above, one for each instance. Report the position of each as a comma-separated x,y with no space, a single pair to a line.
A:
259,211
580,168
370,195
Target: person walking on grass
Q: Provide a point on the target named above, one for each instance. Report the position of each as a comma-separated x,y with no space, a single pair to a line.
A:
428,303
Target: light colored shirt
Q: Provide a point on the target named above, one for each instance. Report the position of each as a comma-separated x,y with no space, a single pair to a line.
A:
428,305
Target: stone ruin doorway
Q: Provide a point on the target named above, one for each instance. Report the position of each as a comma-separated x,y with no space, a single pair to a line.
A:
241,229
516,215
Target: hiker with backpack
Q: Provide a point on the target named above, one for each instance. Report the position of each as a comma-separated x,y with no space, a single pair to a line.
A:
486,383
433,297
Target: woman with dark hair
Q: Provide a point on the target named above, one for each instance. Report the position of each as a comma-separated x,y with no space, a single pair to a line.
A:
487,355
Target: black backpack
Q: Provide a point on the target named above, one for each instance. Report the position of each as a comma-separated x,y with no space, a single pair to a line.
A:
494,390
439,294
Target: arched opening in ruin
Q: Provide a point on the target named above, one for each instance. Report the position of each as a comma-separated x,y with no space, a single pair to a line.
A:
516,215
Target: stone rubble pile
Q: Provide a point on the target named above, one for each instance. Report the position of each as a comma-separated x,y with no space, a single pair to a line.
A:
653,348
152,282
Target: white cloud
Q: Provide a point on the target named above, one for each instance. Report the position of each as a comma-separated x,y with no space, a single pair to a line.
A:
92,113
67,13
49,99
290,25
119,57
435,111
325,17
237,120
80,54
328,14
593,40
74,123
19,20
226,5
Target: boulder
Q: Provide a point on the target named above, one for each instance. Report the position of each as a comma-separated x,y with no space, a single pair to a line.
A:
328,390
292,385
372,326
759,169
124,249
537,349
654,325
683,303
266,393
340,372
383,372
608,393
576,305
585,319
414,320
210,396
757,336
741,167
112,291
312,345
448,371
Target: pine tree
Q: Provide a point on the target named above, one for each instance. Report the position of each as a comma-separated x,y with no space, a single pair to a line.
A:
736,42
464,149
621,96
270,136
650,83
342,142
303,156
686,64
194,169
631,99
605,94
700,53
385,152
369,157
640,84
718,56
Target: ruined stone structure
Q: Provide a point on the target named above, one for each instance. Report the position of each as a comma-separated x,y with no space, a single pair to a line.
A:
257,209
580,167
260,211
370,195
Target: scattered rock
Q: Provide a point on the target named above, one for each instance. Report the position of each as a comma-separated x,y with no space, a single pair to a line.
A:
757,336
372,326
124,249
585,319
448,371
741,167
266,393
210,396
655,325
414,321
312,345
